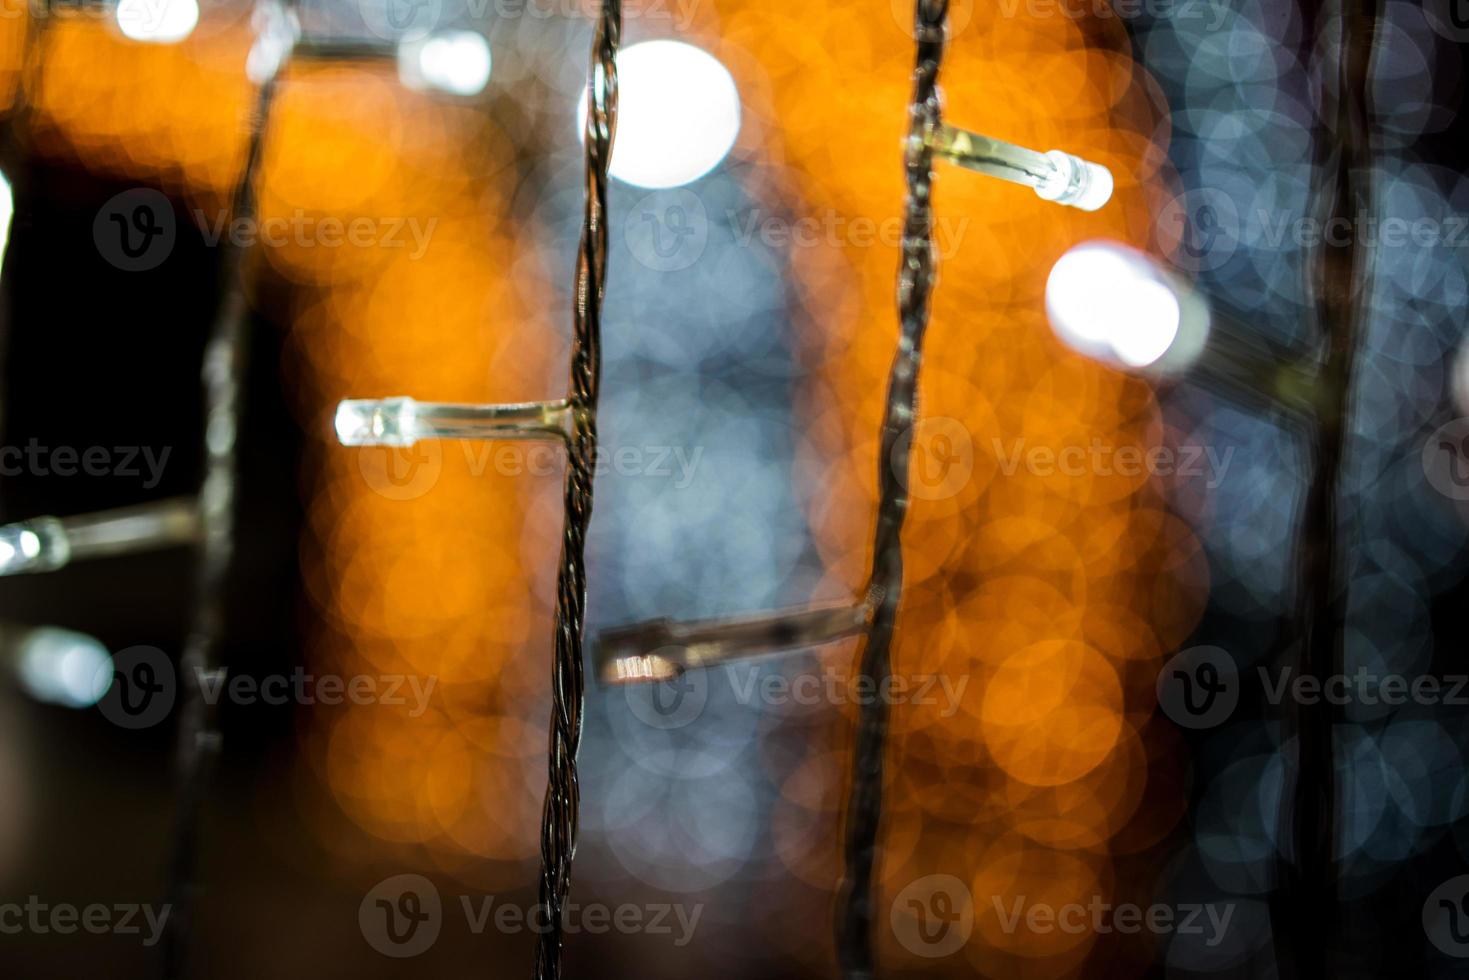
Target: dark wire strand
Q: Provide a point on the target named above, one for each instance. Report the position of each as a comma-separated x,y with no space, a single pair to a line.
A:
559,815
199,738
1304,905
885,586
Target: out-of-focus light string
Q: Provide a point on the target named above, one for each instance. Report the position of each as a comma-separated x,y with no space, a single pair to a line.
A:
1303,906
225,356
44,544
1123,307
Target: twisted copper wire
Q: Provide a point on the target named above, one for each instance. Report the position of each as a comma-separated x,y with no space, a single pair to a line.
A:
915,283
199,738
560,813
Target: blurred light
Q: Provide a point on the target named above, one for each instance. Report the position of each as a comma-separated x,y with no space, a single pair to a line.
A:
678,114
33,546
457,62
161,22
1077,182
64,667
7,212
1114,303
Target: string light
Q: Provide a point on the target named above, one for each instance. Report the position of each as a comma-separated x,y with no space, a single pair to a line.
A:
661,649
44,544
1054,175
1122,307
454,62
403,421
58,666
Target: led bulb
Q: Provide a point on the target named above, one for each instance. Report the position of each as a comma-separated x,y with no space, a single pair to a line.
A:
38,545
1116,304
62,667
456,62
157,21
1076,182
377,422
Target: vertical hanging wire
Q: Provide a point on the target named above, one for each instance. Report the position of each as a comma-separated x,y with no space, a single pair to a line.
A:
225,358
559,814
915,284
1304,908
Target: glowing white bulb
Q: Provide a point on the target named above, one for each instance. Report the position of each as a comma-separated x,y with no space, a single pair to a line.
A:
1077,182
157,21
63,667
38,545
1114,303
678,114
7,212
457,62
